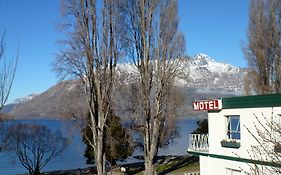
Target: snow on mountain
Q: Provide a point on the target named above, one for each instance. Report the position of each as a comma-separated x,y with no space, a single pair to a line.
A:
205,72
128,68
206,78
24,99
202,62
201,72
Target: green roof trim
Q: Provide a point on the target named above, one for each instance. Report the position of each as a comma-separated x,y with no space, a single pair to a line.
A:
237,159
256,101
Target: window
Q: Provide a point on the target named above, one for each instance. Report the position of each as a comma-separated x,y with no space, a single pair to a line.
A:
233,127
232,172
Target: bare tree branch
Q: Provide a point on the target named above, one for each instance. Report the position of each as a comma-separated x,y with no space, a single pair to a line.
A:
7,73
267,134
35,145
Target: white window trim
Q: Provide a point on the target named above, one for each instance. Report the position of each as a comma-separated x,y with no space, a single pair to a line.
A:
226,128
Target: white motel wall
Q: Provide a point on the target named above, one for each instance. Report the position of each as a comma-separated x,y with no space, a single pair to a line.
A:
217,133
232,156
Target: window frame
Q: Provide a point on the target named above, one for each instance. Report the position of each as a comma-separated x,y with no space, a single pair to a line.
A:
229,130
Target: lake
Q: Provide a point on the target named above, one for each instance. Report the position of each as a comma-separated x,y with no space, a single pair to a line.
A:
72,157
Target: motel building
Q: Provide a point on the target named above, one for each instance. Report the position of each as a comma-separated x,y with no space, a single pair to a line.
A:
233,145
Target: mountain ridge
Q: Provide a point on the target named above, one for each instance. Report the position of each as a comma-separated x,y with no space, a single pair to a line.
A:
207,79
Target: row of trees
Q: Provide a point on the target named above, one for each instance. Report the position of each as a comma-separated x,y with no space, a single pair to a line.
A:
143,32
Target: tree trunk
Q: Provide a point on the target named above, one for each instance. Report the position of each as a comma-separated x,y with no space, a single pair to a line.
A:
152,149
36,171
100,158
149,167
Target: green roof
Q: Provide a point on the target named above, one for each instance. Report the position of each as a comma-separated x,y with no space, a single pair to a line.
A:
269,100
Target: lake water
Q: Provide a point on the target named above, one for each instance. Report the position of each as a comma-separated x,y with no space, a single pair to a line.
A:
72,157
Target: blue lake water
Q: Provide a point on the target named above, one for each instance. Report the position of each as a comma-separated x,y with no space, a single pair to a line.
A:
73,158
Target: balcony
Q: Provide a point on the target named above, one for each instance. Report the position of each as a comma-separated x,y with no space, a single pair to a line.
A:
198,143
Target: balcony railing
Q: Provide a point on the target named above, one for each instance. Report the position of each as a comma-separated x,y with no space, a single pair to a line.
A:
198,143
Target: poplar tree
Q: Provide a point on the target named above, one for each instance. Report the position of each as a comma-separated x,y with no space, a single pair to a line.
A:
263,49
90,54
155,46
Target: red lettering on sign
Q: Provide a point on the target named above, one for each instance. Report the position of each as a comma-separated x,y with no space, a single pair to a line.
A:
207,105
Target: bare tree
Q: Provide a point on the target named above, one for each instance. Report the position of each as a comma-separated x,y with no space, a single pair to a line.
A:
263,49
35,145
267,135
7,73
155,47
90,53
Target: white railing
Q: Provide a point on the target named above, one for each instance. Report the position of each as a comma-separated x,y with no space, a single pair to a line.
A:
198,143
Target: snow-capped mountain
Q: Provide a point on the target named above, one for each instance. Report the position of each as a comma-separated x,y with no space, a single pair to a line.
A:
206,73
206,78
203,72
202,61
18,102
25,99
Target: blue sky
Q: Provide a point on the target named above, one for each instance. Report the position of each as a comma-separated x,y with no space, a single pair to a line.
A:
215,28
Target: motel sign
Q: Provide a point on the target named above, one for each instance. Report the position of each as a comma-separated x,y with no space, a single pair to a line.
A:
207,105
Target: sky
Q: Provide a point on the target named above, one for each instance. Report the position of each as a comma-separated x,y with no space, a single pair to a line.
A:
216,28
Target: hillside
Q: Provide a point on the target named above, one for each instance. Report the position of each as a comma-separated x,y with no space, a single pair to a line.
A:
207,79
53,103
